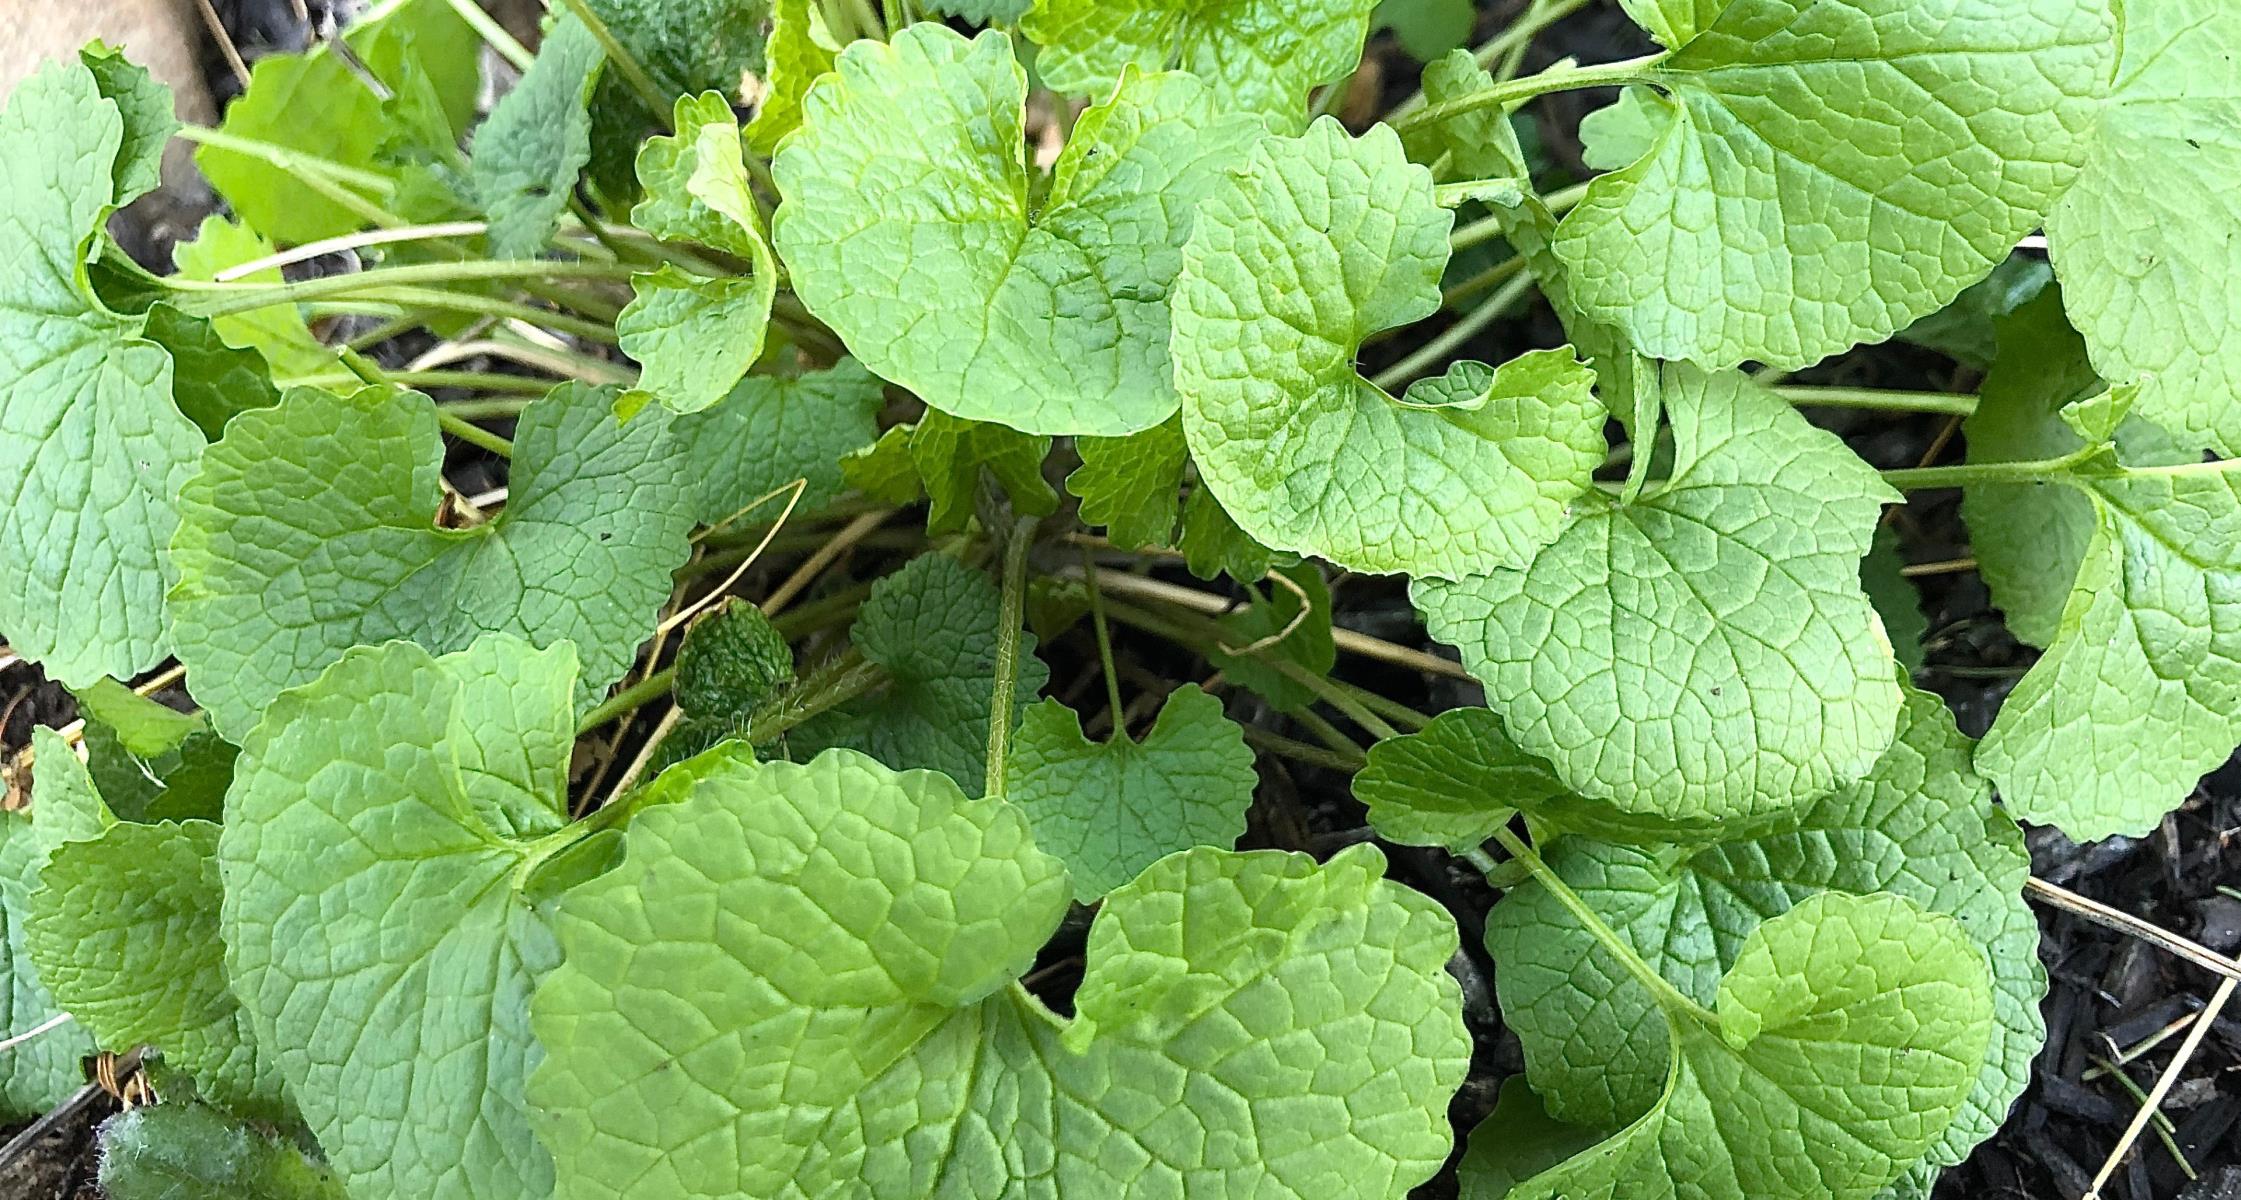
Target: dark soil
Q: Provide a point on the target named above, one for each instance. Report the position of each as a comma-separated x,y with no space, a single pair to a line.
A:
2109,991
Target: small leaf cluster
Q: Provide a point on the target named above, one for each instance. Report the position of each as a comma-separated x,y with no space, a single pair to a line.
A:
392,918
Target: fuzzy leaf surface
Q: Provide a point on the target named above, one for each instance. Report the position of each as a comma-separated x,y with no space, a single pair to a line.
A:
1261,55
190,1152
536,141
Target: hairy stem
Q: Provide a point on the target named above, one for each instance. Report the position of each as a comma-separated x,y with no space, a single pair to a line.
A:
1014,615
1556,79
1952,403
217,300
1969,474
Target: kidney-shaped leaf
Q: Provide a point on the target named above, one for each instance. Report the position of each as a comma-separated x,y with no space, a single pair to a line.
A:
799,984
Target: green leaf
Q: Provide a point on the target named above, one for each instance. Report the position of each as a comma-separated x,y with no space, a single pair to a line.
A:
1922,826
39,1074
913,228
1427,28
1967,330
1704,653
2139,692
123,929
696,336
883,470
1460,778
731,663
1848,1030
687,47
147,109
801,49
1897,603
1212,544
1273,626
1792,211
980,12
276,332
1673,22
1132,485
1248,1024
1323,241
2143,242
92,448
537,140
1620,134
317,104
1515,1142
933,626
210,379
143,726
189,1152
1259,55
2030,537
949,453
775,429
1108,811
308,532
183,783
374,849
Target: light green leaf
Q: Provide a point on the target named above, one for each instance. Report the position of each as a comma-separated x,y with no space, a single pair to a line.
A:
2143,243
1673,22
123,929
41,1073
189,1152
536,141
1275,630
980,12
913,228
92,448
1922,826
1323,241
1132,485
1460,778
1427,28
143,726
1107,811
1848,1028
308,532
316,104
1619,134
1704,653
147,109
933,626
883,470
276,332
184,783
1515,1142
694,336
2139,692
1477,145
1260,55
1248,1025
1837,171
775,429
801,49
2030,537
374,849
949,454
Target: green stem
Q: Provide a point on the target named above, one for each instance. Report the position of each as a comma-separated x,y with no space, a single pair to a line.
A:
287,158
1512,91
1314,756
1014,615
1969,474
223,299
484,381
633,71
629,700
1668,996
1432,352
497,408
1877,398
493,33
1518,33
474,435
1484,279
1104,642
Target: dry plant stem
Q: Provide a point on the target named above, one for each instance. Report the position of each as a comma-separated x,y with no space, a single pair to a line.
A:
224,40
557,362
2124,922
47,1026
1951,566
713,594
1206,602
825,555
2163,1085
2123,1055
1306,608
493,33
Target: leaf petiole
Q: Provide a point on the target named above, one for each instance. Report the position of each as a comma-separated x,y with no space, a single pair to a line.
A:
1556,79
1013,615
1970,474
